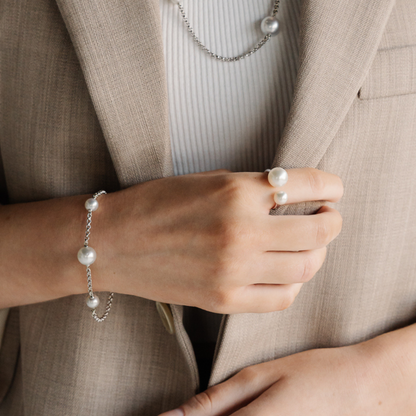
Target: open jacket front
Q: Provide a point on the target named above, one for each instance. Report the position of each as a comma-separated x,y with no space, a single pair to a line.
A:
83,106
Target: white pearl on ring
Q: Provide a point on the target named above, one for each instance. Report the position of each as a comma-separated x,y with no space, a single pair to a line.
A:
277,177
270,25
91,204
86,256
280,198
93,302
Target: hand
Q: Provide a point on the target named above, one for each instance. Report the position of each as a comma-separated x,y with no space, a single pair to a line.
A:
375,378
207,240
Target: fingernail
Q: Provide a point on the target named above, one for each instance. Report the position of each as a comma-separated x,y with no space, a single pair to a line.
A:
176,412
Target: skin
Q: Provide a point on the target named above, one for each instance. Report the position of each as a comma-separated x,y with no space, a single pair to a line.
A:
373,378
152,238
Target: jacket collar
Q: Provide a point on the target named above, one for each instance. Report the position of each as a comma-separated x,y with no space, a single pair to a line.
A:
338,41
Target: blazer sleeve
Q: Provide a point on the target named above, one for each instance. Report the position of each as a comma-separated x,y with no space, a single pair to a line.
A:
3,200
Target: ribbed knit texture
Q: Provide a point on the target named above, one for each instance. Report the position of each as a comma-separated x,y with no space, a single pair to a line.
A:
228,115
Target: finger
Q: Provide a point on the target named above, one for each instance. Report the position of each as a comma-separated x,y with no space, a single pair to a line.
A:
263,298
230,395
267,404
285,267
310,184
298,232
213,172
305,184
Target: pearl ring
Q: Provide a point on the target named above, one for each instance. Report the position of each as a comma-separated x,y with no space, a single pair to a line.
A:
278,177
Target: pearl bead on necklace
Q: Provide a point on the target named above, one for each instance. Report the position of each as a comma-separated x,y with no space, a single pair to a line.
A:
269,26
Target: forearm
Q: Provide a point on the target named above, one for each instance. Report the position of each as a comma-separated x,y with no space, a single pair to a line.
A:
395,354
38,246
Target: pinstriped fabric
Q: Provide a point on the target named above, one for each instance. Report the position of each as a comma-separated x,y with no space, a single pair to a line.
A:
228,115
399,82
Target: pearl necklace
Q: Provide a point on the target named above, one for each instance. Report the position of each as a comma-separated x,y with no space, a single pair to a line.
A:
269,26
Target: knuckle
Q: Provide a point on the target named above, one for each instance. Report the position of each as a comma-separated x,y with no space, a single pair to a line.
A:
216,277
235,189
222,243
202,401
230,234
323,232
341,188
226,233
285,303
230,237
249,375
308,268
322,256
338,222
217,272
220,301
286,300
315,181
224,270
221,171
312,263
231,185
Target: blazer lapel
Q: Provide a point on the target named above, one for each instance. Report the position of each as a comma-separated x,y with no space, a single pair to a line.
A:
338,41
119,45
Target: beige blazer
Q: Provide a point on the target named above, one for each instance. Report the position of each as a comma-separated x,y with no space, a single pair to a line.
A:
84,107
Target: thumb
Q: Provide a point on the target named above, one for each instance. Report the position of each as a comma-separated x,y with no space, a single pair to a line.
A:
202,405
231,395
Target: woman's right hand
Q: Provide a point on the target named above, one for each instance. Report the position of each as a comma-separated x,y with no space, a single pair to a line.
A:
207,239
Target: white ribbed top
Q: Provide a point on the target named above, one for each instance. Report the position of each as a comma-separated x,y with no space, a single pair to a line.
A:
221,114
228,115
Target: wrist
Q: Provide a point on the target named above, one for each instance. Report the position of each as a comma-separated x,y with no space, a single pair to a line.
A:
71,238
100,238
120,236
108,240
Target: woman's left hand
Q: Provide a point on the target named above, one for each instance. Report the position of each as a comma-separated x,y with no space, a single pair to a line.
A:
377,377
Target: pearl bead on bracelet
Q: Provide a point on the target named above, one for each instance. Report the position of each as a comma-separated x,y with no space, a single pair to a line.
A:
87,256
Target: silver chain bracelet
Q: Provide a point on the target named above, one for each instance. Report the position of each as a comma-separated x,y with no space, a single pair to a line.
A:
87,256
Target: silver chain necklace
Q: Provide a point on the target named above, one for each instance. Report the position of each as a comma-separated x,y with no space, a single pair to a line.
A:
269,26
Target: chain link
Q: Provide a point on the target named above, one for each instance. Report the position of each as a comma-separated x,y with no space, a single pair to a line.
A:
88,230
89,278
258,45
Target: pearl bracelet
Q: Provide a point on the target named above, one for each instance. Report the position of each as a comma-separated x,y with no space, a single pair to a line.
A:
87,256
